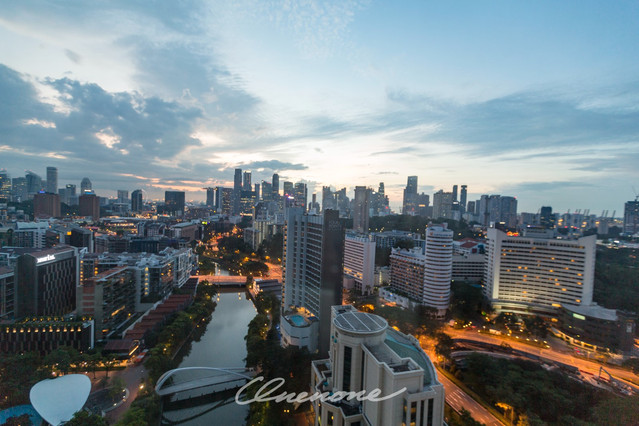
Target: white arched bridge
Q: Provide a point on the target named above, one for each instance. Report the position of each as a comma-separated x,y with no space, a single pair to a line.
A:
215,379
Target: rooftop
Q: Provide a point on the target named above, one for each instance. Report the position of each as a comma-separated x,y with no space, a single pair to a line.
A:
594,311
360,322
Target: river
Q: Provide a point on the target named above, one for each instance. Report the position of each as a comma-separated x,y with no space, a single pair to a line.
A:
221,345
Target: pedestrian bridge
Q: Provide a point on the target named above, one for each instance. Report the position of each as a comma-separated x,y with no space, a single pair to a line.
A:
206,379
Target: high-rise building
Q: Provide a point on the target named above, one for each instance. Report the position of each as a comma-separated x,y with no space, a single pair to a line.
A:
69,197
52,180
267,191
288,189
508,211
276,185
237,191
174,202
137,200
300,194
19,189
366,356
536,273
90,205
409,205
46,204
223,200
454,193
360,209
86,186
442,205
210,197
123,196
256,189
246,182
328,199
463,198
546,218
7,293
359,263
313,270
631,217
5,186
423,201
34,184
46,281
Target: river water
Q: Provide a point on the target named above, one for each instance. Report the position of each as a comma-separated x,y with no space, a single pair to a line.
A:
222,345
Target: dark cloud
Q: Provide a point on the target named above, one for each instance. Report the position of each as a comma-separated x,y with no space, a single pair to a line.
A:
546,186
274,165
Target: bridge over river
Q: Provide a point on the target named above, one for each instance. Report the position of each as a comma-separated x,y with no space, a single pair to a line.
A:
193,382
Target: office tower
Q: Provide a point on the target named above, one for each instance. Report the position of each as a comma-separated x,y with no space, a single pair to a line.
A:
359,263
46,204
463,198
86,186
328,199
276,185
366,356
442,205
46,282
313,270
546,218
409,205
257,191
123,196
137,201
210,197
52,180
533,273
438,267
223,200
5,186
314,205
300,194
423,200
19,189
174,203
108,297
90,205
288,189
267,191
34,184
360,209
454,193
67,195
471,208
247,202
508,211
631,217
237,191
246,182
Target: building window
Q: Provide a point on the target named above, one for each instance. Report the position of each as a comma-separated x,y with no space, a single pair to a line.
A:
429,417
348,355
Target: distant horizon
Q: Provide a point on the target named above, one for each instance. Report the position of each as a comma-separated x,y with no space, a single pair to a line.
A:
535,100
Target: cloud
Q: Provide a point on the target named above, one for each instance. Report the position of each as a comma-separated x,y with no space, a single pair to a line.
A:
274,165
74,57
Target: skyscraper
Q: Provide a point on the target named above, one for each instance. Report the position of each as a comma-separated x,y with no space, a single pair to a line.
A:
85,186
246,182
508,211
137,201
313,267
5,185
546,218
174,202
631,217
454,193
52,180
300,193
438,267
123,196
237,191
210,197
409,205
276,185
34,184
360,209
442,204
463,198
19,189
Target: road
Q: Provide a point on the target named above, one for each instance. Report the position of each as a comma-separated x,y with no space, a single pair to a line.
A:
554,355
458,399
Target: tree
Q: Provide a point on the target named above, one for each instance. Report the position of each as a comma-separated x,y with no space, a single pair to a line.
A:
117,387
108,361
84,418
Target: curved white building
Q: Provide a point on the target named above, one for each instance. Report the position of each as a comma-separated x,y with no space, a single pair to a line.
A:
438,267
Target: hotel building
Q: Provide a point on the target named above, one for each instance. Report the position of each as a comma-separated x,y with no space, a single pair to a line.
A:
535,274
365,354
359,263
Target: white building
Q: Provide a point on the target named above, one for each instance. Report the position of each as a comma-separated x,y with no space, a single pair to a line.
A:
525,274
365,355
30,234
425,278
359,263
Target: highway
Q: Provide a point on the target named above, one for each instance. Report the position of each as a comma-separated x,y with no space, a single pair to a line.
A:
550,354
458,399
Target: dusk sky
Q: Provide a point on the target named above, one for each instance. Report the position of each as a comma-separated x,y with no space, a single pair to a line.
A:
539,100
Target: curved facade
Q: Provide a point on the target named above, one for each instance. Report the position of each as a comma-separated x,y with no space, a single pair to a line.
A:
438,267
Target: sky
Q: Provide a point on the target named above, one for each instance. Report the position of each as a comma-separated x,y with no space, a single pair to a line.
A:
538,100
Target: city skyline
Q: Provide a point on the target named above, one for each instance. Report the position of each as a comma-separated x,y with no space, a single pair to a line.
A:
535,101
